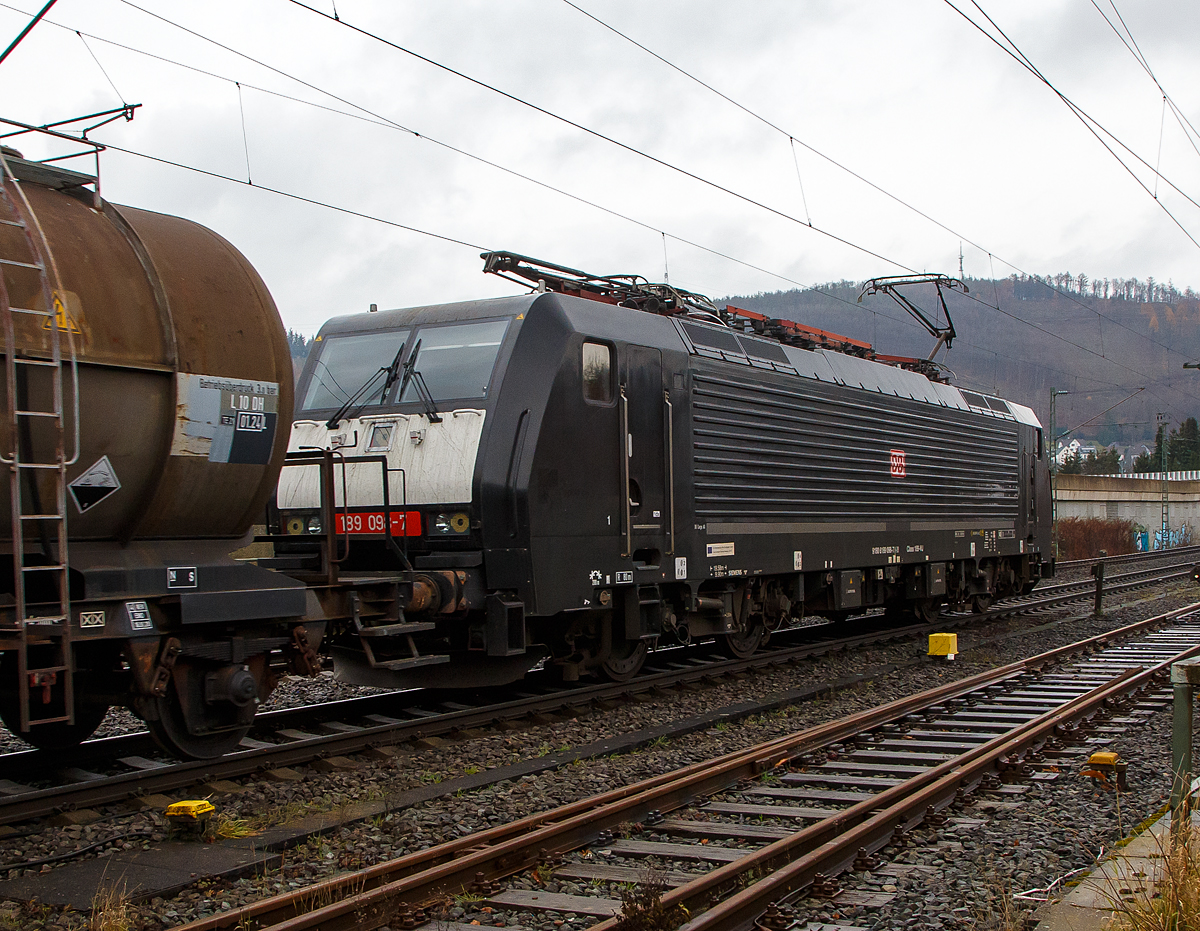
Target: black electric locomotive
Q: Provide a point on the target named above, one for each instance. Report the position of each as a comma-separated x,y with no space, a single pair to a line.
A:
577,474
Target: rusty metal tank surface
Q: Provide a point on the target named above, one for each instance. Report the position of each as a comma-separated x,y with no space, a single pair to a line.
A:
185,379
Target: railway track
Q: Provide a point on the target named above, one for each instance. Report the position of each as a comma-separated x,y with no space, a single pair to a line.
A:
735,839
117,769
1182,552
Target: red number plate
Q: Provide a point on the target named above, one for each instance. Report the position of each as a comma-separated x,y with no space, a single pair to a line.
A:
404,523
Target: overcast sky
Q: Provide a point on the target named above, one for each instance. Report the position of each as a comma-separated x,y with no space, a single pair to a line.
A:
907,94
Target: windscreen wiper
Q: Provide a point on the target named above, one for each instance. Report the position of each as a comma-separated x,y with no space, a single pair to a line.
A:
393,371
411,375
341,413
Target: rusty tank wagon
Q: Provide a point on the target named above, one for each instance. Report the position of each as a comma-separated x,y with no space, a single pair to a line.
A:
147,397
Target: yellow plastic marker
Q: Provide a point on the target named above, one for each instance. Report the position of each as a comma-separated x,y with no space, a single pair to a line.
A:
943,645
191,815
1102,766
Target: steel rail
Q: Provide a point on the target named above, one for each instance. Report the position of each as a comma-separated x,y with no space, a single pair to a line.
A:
1130,557
828,846
869,824
368,898
109,789
116,788
1185,568
1066,598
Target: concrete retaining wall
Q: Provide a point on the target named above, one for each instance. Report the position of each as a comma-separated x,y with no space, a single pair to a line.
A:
1135,499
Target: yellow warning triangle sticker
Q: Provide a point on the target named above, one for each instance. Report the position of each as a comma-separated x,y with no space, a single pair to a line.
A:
62,318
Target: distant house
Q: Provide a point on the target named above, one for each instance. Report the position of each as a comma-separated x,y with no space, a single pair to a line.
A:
1129,455
1065,451
1075,448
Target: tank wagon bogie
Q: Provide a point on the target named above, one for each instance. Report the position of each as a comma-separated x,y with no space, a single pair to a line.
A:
614,479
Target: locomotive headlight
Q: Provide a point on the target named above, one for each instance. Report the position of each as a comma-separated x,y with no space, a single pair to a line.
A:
448,524
314,525
295,525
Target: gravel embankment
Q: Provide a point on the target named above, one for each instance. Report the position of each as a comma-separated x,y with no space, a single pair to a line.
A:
360,844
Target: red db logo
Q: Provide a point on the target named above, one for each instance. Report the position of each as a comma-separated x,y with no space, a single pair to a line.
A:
898,463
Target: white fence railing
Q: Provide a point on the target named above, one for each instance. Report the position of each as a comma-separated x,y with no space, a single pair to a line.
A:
1192,475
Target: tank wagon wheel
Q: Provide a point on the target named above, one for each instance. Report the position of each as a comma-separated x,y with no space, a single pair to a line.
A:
199,718
89,712
741,644
625,661
927,610
56,736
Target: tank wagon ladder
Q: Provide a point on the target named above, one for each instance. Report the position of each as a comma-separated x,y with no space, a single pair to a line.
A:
45,624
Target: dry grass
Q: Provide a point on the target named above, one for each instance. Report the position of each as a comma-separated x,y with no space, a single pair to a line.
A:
235,827
642,908
1085,537
1174,903
111,910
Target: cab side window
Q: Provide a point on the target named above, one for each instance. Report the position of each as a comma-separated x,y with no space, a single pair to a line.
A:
597,373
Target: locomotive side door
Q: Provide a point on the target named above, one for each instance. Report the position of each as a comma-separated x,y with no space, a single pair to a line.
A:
644,458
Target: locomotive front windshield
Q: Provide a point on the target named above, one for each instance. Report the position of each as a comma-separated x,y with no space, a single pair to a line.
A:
346,363
455,360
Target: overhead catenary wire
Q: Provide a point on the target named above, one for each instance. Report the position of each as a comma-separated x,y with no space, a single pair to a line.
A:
793,141
796,162
245,138
121,97
376,119
1131,45
505,94
297,197
612,212
1090,123
385,121
480,248
632,149
516,99
460,242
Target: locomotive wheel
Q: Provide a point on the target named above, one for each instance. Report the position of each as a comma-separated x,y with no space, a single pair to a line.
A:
625,660
980,603
743,643
927,610
208,731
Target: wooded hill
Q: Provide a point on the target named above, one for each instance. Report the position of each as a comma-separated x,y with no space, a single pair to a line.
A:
1100,339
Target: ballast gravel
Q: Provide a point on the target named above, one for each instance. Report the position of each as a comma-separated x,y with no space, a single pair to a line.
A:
1059,826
